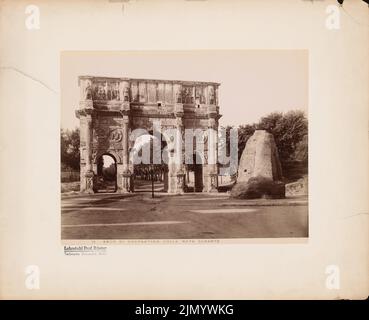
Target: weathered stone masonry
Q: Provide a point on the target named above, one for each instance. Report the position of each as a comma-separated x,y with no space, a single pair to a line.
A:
110,108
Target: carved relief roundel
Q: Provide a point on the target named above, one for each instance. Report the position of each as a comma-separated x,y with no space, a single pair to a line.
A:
116,135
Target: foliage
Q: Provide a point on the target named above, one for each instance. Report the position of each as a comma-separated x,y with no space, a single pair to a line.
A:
288,129
244,133
69,149
70,176
301,151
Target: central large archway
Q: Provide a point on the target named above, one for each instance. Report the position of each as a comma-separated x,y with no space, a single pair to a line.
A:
149,171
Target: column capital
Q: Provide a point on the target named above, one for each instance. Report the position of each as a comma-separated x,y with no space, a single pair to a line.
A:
125,110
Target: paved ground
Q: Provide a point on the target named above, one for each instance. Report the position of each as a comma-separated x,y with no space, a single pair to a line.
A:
193,215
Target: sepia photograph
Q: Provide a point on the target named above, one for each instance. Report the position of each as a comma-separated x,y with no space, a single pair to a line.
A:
184,150
184,145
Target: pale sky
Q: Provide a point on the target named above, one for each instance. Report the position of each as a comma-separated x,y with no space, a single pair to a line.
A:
253,82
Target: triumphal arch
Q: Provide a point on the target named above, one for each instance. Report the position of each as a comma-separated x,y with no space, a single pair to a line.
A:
111,109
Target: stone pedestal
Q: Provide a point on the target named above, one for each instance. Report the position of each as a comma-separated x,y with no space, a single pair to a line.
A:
87,184
176,180
126,182
210,178
181,182
213,182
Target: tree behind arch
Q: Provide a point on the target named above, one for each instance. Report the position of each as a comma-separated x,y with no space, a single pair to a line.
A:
288,129
69,148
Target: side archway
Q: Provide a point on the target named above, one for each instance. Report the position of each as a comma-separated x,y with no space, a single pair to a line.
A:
106,173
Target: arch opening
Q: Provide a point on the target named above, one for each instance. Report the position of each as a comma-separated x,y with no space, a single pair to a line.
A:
194,174
150,163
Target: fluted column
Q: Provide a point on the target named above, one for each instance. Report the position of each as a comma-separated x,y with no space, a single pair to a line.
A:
88,175
181,173
85,113
88,142
176,168
211,167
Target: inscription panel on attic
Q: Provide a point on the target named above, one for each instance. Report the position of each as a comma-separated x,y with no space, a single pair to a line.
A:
110,108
